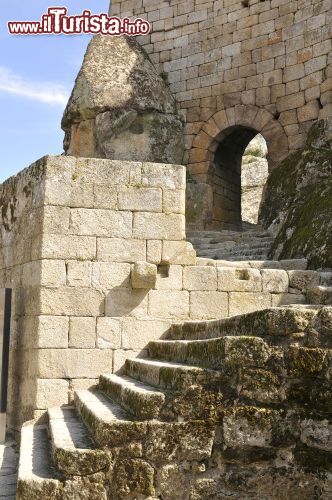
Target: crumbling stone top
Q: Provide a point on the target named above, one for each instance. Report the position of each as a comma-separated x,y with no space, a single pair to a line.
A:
116,74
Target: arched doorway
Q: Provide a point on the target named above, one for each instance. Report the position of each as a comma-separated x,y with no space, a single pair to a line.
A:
215,162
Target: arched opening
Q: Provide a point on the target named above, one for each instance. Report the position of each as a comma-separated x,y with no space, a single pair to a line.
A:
235,181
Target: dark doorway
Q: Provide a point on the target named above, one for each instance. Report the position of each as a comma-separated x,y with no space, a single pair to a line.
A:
226,177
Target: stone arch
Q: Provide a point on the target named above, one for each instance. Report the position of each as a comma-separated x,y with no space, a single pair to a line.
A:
217,152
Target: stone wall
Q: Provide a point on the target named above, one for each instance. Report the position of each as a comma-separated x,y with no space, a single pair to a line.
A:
262,65
96,255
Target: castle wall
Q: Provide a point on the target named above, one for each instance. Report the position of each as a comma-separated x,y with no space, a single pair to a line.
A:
95,252
262,65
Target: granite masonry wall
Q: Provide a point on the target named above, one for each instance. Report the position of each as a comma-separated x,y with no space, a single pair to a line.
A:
239,66
95,252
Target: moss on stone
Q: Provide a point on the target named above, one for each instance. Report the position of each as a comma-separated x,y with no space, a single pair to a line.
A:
298,202
306,360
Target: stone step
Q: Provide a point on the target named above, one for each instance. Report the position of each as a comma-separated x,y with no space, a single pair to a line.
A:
112,427
37,478
287,265
320,295
235,258
275,322
231,240
9,457
171,376
145,403
229,247
326,278
109,424
74,452
139,399
245,250
215,353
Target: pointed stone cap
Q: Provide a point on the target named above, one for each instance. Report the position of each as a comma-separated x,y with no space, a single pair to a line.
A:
116,74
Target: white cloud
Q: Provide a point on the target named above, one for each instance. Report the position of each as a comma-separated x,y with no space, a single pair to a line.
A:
45,92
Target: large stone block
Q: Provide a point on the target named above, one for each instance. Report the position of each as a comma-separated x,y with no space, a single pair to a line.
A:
55,219
284,299
274,280
136,334
107,275
104,196
208,305
109,333
303,280
127,302
74,363
67,247
153,251
178,252
169,304
98,222
200,278
51,392
320,295
140,199
50,273
79,273
144,275
121,250
239,280
169,278
174,201
71,301
249,427
82,333
163,176
158,226
245,302
52,332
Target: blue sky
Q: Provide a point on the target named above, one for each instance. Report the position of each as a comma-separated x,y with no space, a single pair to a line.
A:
37,74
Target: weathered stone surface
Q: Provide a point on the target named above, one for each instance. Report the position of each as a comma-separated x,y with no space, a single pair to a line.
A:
121,250
254,173
82,333
274,280
71,363
169,304
199,203
241,303
200,278
137,333
303,280
144,275
52,331
178,252
120,107
108,333
148,225
297,204
127,302
51,393
239,280
320,295
208,305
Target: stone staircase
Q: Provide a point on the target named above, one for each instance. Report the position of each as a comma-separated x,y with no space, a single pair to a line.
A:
226,408
252,243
